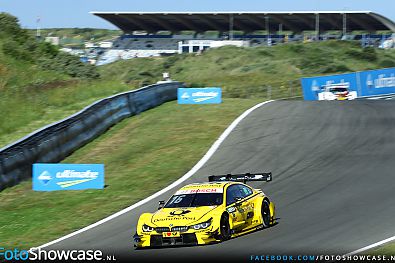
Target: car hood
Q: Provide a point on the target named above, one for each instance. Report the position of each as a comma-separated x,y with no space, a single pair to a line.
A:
180,216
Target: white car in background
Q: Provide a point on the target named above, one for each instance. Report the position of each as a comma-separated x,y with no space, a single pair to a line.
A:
337,92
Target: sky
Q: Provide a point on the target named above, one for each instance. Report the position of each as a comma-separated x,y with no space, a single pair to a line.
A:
75,13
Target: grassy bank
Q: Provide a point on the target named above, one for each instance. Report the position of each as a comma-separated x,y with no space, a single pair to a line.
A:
39,84
30,109
387,249
164,142
33,97
248,72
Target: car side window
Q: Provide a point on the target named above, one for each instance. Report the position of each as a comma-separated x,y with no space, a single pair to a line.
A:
245,191
232,193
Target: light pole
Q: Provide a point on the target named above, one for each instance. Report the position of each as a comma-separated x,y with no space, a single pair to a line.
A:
231,26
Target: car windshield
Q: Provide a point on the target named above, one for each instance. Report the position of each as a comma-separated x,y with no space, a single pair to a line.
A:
195,200
338,90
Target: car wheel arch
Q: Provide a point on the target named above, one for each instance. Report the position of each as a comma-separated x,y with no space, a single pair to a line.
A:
230,223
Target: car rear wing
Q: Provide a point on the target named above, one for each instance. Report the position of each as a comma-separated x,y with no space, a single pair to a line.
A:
267,177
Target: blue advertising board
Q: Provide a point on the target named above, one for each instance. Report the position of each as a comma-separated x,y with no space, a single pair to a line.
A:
364,83
199,95
377,82
53,177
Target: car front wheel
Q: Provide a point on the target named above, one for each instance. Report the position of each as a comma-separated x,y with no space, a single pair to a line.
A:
265,211
225,231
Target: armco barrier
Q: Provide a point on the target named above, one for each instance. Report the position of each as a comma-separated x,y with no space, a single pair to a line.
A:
54,142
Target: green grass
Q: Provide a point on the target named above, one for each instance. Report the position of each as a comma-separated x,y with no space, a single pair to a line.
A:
142,155
387,249
16,73
30,108
32,97
246,72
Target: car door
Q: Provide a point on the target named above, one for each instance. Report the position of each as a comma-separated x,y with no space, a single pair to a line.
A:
247,204
233,206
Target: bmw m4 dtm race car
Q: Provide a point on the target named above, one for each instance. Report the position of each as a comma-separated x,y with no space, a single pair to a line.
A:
203,213
337,92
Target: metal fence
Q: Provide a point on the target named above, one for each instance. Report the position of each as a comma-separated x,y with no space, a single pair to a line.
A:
274,90
54,142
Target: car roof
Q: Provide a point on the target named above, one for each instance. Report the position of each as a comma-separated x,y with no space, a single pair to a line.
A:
207,185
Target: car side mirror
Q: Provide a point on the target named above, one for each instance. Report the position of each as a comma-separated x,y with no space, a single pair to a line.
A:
238,200
161,204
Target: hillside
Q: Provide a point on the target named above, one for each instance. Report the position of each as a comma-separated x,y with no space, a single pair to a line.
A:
246,72
75,37
40,85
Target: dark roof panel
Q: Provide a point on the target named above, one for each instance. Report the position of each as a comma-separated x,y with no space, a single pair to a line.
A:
245,21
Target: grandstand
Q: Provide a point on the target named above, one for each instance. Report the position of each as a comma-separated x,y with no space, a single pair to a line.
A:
161,33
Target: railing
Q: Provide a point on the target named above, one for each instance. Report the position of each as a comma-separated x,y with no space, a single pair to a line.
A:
54,142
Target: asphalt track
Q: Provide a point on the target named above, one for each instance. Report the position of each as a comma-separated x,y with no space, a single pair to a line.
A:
333,167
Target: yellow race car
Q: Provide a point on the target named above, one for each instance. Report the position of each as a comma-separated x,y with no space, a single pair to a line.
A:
203,213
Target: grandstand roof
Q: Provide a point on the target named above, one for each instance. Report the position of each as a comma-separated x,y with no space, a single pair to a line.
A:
152,22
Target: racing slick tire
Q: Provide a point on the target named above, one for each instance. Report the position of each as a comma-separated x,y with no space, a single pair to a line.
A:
224,229
265,213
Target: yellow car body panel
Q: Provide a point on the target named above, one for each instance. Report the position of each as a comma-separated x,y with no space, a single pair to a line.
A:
177,225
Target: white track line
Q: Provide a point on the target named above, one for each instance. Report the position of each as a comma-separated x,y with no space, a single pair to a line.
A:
197,166
371,246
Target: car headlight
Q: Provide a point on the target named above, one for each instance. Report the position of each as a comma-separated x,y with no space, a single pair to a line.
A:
202,225
147,228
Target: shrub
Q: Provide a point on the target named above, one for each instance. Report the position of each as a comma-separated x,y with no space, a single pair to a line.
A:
296,48
368,53
47,49
9,25
264,52
70,65
13,49
335,67
170,61
387,63
20,45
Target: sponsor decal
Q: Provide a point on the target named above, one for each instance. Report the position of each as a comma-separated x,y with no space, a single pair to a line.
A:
231,209
369,81
202,96
384,82
179,212
209,185
171,234
185,96
45,177
202,190
199,95
52,177
173,218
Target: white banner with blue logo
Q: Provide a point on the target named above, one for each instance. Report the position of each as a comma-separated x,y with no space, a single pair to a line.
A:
53,177
199,95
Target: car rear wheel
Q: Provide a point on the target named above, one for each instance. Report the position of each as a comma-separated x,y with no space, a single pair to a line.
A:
265,211
225,231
